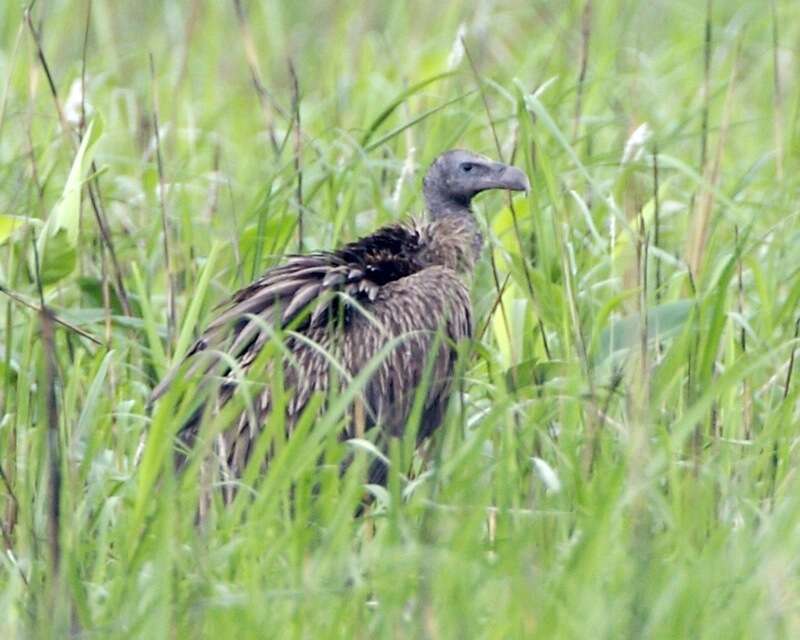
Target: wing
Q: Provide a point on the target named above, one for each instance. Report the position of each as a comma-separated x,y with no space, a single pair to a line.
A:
303,293
425,309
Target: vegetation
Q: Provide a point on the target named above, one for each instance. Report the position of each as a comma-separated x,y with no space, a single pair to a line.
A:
621,460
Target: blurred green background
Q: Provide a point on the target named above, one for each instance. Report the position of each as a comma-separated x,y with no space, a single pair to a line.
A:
622,459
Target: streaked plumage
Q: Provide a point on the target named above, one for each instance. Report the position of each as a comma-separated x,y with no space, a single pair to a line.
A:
404,281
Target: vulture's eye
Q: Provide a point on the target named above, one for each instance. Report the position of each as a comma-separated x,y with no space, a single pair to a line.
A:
466,167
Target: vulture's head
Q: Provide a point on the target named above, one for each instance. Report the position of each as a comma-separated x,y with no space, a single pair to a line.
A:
457,176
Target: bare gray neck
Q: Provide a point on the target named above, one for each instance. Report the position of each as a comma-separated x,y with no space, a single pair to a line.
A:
439,205
463,219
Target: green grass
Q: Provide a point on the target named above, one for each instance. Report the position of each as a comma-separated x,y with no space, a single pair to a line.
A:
622,461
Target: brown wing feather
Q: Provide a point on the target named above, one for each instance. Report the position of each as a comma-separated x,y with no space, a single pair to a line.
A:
280,294
396,293
413,309
284,292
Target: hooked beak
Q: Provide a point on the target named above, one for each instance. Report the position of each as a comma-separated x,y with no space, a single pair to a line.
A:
508,177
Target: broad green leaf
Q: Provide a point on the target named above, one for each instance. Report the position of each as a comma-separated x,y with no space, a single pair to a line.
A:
508,322
663,321
10,224
92,288
57,244
57,256
535,372
502,224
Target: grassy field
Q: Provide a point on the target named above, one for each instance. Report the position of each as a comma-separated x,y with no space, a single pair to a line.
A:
622,460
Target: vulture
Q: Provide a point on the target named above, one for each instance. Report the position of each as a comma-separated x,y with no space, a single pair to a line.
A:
335,311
